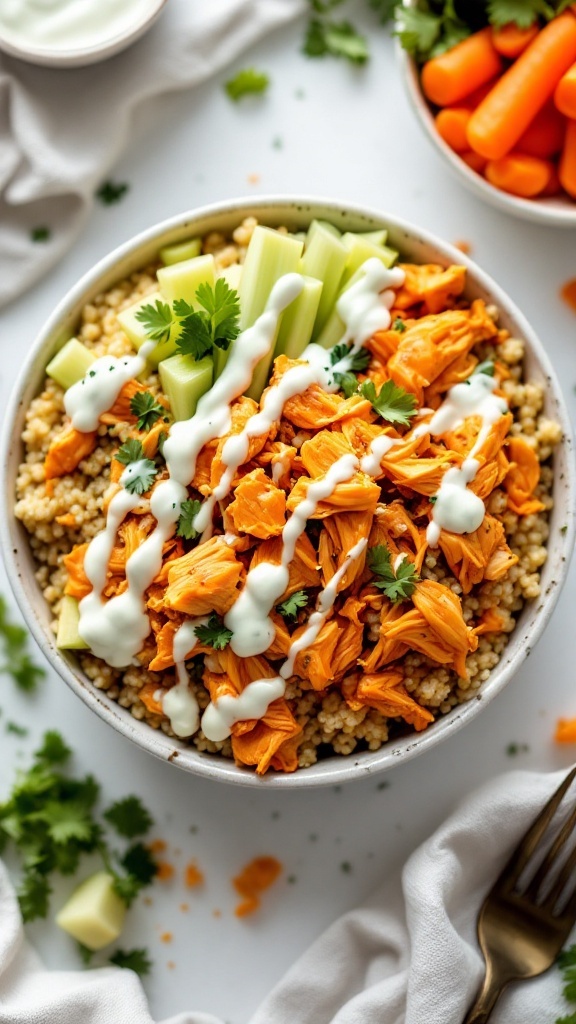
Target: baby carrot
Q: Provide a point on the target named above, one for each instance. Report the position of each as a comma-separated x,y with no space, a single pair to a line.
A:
567,167
475,161
553,187
451,126
565,93
545,135
521,175
510,41
500,120
451,76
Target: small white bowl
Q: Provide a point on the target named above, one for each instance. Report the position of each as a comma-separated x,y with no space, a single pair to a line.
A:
553,211
296,213
80,57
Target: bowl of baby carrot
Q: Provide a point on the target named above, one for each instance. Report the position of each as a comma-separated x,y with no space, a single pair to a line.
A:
498,99
288,491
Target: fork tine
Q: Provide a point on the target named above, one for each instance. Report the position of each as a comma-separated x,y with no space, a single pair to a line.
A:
562,881
530,840
568,915
545,867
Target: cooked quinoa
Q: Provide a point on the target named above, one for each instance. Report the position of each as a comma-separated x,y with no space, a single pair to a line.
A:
73,514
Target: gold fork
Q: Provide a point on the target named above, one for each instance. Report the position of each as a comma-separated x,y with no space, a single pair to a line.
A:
522,932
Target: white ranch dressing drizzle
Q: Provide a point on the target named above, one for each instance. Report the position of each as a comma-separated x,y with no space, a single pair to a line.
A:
116,629
253,702
371,463
179,703
63,25
88,398
456,508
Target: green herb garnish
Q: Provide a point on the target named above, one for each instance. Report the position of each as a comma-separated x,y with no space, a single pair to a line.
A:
129,817
567,963
214,633
347,382
354,360
140,470
17,662
189,511
429,30
487,368
289,608
136,960
146,408
40,234
15,729
217,323
335,39
399,325
392,403
247,82
399,584
111,192
157,320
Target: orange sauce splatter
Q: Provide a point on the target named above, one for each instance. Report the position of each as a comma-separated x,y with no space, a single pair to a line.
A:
170,965
184,907
565,730
253,179
166,937
463,246
158,846
165,871
568,293
192,875
216,913
254,878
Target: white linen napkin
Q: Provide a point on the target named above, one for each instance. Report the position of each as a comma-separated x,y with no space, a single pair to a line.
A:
408,956
62,130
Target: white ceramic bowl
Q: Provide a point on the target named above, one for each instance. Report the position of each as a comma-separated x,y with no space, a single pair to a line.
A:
296,213
75,58
553,211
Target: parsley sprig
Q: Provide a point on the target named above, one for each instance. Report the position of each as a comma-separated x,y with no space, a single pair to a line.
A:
157,319
392,403
214,633
50,817
351,364
140,471
289,608
398,584
144,406
136,960
567,964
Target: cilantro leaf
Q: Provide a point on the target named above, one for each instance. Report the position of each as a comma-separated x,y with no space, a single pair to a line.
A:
399,325
354,361
140,471
17,662
392,403
567,958
247,81
67,820
53,749
289,608
214,633
15,729
522,13
337,39
417,30
129,817
157,320
222,305
486,367
189,510
84,953
136,960
323,6
33,894
195,338
347,382
398,584
112,192
144,406
383,8
570,1019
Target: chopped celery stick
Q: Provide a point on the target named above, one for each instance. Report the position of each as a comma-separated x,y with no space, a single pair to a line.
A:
298,320
68,638
377,237
94,914
325,258
326,226
232,275
181,251
335,328
70,364
184,380
181,280
269,256
300,236
136,331
360,250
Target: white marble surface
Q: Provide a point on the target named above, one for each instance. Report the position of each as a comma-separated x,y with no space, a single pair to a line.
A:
330,130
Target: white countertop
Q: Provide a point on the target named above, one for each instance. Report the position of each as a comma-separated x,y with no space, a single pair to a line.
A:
324,129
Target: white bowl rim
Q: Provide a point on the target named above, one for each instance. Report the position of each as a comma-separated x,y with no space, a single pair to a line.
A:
552,212
84,56
335,769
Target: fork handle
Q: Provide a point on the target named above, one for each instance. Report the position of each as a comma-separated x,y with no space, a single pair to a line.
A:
486,999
